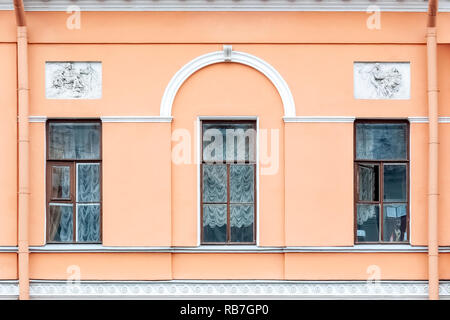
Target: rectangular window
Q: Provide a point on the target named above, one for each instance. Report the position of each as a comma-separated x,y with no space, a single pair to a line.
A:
228,182
74,181
381,181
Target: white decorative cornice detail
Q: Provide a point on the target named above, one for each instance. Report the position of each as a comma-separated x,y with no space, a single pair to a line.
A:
136,119
9,289
240,289
230,56
226,5
8,249
37,119
319,119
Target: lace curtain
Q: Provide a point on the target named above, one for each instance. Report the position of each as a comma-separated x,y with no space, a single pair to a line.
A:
88,223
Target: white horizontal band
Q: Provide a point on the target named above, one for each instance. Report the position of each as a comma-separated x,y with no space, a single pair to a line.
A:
225,5
426,120
136,119
237,289
319,119
37,119
389,248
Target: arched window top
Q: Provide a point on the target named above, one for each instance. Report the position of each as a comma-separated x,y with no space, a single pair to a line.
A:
227,55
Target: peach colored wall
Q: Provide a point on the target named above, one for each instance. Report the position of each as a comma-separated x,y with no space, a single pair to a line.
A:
110,266
227,90
8,266
228,266
8,146
444,186
444,263
37,216
241,27
271,266
419,183
353,266
308,69
316,60
319,172
136,184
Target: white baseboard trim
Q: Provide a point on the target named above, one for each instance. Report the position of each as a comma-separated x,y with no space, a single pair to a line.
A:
233,289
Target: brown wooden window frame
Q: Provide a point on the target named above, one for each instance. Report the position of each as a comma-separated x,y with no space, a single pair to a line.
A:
228,203
72,163
381,163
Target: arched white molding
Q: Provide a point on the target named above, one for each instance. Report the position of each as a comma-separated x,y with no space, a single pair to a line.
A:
227,55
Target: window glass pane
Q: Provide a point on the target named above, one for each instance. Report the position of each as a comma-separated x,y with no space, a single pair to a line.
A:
229,142
215,223
368,222
394,222
215,183
381,141
60,182
74,141
88,223
241,183
394,182
241,222
61,222
88,182
368,179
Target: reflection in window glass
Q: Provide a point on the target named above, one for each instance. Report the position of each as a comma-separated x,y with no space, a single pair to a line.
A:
231,142
369,182
60,182
394,183
74,167
61,222
80,141
368,228
394,222
381,175
381,141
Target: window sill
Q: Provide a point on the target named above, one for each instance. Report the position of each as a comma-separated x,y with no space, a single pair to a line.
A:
74,248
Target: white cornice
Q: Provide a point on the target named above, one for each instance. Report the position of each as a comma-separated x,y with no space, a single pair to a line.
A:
226,5
319,119
236,289
98,248
136,119
37,119
425,119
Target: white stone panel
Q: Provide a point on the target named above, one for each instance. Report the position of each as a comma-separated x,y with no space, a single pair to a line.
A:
382,80
73,80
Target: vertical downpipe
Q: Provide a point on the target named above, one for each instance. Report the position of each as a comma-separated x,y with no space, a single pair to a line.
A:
23,146
433,160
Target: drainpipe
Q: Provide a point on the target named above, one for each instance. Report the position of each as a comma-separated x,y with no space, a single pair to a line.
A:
23,147
433,161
